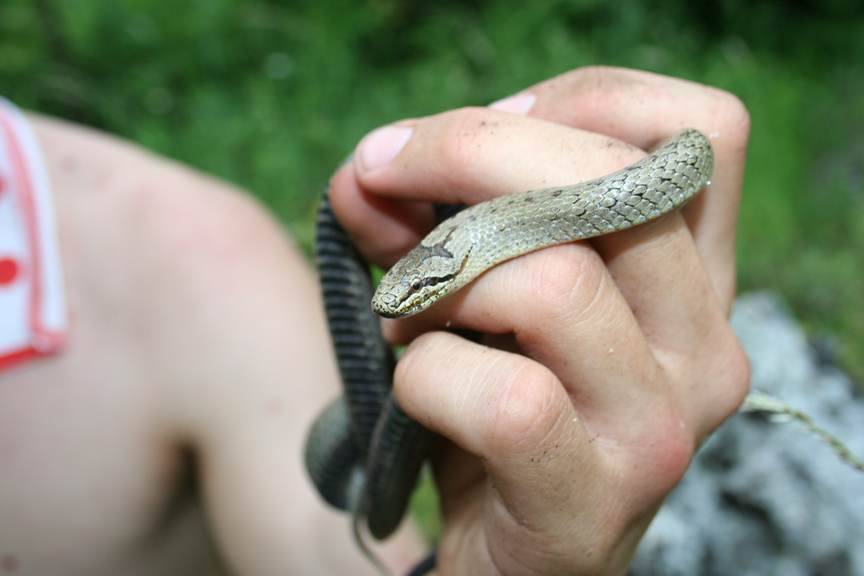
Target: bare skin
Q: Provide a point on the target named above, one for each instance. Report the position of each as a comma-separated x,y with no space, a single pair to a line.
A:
197,358
608,363
198,350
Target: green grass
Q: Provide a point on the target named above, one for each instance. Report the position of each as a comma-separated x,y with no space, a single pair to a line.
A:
272,95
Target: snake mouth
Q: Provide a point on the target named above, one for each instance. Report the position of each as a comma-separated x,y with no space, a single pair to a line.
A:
385,305
391,306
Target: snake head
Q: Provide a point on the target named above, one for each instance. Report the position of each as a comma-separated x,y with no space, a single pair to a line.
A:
421,278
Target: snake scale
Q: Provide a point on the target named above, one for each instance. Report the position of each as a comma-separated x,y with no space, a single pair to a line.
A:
363,452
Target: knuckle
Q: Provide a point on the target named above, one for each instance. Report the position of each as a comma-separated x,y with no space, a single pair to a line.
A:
413,361
676,445
594,73
568,280
733,117
457,136
729,377
579,75
592,84
525,412
672,453
735,379
666,447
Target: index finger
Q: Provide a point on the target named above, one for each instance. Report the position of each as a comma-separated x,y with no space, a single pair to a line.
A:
642,109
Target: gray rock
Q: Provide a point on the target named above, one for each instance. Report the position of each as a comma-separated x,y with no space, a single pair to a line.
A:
767,499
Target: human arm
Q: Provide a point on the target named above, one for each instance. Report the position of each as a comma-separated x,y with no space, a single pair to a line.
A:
248,365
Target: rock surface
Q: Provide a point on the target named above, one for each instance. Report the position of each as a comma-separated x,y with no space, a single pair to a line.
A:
763,498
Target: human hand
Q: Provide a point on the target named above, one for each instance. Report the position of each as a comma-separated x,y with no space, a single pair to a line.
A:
606,363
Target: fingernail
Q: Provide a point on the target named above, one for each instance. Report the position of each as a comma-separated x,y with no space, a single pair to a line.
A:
380,146
518,104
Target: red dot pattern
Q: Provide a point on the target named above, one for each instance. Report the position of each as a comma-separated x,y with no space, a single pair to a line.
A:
9,270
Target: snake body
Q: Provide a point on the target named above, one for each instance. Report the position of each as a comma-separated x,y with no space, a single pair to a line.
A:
364,452
475,240
365,421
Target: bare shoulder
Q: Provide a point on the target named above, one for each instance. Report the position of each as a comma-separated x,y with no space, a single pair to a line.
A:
191,294
139,195
194,270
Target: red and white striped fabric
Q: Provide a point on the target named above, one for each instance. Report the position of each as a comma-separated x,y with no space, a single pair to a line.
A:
32,304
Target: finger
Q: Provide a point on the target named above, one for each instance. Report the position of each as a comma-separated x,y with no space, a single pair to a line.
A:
437,162
473,154
563,310
514,414
383,229
643,108
490,403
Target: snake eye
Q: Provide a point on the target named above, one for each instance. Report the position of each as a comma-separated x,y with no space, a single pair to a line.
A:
416,285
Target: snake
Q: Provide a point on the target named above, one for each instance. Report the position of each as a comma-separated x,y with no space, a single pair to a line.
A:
363,452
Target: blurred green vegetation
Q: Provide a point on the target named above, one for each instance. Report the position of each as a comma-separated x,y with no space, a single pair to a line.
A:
272,95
